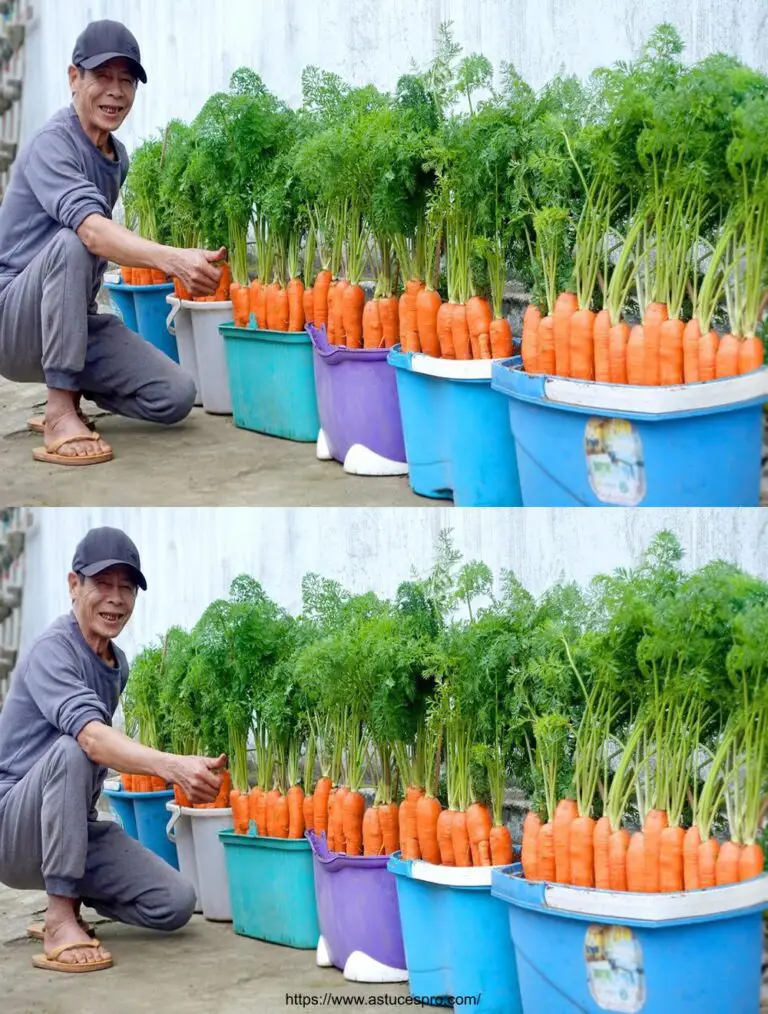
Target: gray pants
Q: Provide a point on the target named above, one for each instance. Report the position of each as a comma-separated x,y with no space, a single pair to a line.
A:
50,839
50,331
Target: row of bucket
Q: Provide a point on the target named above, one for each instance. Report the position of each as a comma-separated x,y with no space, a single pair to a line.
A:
482,433
478,937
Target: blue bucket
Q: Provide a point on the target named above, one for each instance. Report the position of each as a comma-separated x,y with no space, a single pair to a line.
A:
151,823
456,431
121,296
272,382
151,316
121,804
587,444
586,951
456,938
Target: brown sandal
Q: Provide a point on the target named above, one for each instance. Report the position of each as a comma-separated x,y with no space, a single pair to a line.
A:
50,456
36,930
49,962
36,424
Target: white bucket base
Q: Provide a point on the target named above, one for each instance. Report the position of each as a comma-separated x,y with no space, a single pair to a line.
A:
323,451
322,956
363,461
362,968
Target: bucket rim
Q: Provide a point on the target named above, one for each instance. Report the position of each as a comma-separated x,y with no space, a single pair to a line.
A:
122,794
262,334
467,370
262,841
122,287
334,862
219,304
218,811
447,876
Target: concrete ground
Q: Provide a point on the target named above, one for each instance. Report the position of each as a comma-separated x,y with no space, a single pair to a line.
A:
204,968
204,461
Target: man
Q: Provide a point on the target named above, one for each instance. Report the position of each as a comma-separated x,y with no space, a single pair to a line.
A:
56,236
56,743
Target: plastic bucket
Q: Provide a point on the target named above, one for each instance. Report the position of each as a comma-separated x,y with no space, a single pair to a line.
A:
151,822
179,831
210,861
357,399
272,381
456,431
209,350
271,888
581,443
456,937
151,311
587,951
121,805
179,324
121,297
358,913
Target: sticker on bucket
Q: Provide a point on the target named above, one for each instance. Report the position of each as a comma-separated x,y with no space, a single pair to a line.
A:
615,968
615,463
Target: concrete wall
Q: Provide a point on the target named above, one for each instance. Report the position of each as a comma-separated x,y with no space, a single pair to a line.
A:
190,555
190,47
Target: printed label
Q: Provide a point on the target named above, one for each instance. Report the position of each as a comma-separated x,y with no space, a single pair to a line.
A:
615,463
615,973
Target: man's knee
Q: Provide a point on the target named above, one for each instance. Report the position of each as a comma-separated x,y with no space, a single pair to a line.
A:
178,400
173,906
68,244
66,752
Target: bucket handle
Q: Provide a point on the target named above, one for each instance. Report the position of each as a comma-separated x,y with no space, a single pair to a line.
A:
170,827
170,320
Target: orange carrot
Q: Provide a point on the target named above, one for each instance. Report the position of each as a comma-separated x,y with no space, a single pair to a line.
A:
671,841
225,277
751,862
502,852
373,333
239,803
708,853
282,822
601,339
545,866
373,839
180,796
339,317
295,295
308,300
691,844
409,832
444,839
751,354
352,311
353,808
272,797
727,865
545,359
601,844
444,330
502,346
691,339
581,345
617,860
337,818
331,835
484,346
531,830
282,309
428,811
320,297
479,825
637,371
402,323
225,786
322,791
241,302
655,316
617,352
566,305
462,852
581,851
253,801
308,807
428,303
708,346
460,332
126,782
271,315
530,343
566,812
390,832
654,823
261,307
636,863
412,290
671,352
727,358
295,799
261,813
126,274
479,316
389,317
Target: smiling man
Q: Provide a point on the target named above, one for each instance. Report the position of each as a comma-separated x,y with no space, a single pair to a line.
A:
56,743
56,236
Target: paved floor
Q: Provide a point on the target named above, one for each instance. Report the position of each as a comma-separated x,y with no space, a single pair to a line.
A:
204,461
203,969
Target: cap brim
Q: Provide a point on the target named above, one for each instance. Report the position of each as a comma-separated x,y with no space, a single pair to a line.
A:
100,58
96,568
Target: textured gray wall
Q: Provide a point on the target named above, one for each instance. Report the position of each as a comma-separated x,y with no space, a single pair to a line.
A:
190,47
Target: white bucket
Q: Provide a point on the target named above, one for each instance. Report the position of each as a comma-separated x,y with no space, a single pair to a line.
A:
179,324
179,831
211,356
213,884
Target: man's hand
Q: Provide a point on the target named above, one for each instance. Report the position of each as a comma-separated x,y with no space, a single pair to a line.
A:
196,269
197,776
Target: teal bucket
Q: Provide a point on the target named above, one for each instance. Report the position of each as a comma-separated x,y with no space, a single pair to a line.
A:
121,805
272,889
272,382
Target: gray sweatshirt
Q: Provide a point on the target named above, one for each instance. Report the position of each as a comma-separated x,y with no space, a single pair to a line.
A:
59,178
59,685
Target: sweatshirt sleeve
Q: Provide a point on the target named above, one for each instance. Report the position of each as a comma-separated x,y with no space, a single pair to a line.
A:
56,686
55,176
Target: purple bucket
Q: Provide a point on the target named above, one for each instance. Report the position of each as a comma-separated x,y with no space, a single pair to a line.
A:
356,398
357,906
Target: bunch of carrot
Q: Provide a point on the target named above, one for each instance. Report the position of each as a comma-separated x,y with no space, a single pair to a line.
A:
142,783
142,276
221,802
275,307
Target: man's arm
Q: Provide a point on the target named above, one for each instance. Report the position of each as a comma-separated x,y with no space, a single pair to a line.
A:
108,239
113,749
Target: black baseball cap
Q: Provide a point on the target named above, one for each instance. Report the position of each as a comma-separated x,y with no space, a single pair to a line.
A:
106,40
107,547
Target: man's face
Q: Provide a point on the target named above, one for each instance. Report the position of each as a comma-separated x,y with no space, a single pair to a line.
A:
104,603
104,95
